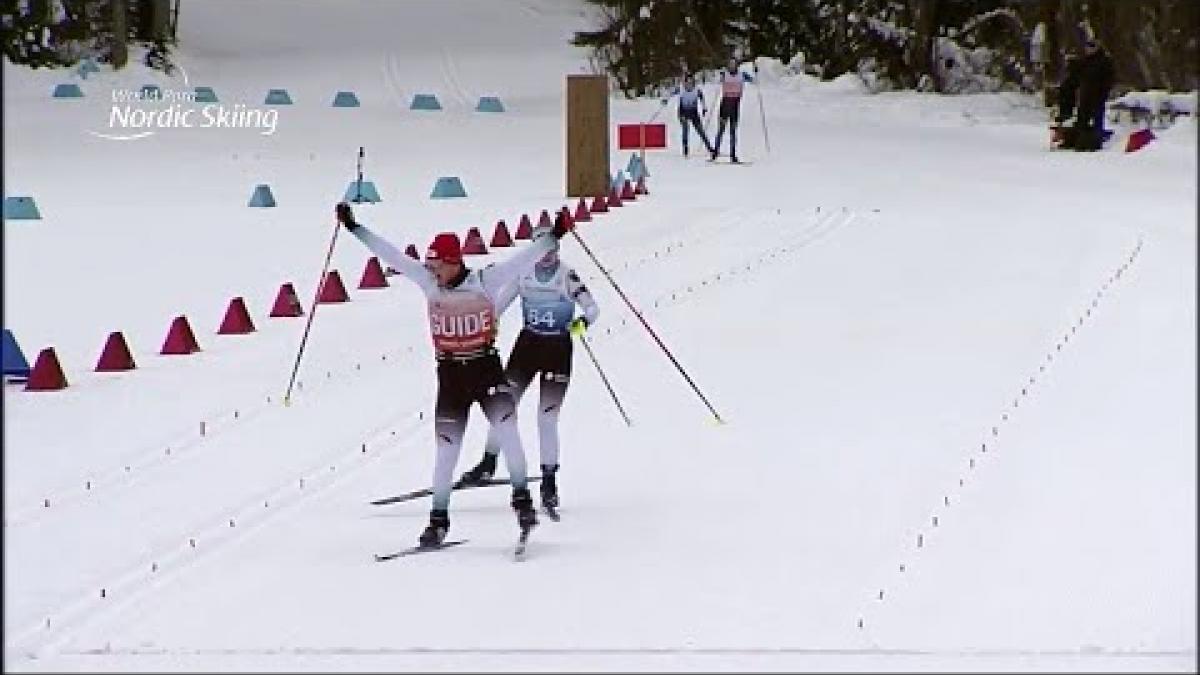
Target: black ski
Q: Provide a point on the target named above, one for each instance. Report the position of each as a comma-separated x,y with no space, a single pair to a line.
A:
522,542
425,492
412,550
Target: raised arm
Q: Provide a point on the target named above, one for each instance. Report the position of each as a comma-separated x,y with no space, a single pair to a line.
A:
386,250
500,278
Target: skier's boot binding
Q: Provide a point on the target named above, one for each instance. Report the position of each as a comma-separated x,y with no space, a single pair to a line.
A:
522,503
549,485
482,472
435,532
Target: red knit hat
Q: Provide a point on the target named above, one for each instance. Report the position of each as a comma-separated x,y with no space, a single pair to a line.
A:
445,247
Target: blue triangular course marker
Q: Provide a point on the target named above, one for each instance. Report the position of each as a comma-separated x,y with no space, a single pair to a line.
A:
364,194
425,102
448,187
68,90
619,180
262,196
21,208
489,104
637,168
86,67
13,358
205,95
345,99
278,97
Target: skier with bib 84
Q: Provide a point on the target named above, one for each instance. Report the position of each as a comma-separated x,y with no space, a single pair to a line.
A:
464,306
543,349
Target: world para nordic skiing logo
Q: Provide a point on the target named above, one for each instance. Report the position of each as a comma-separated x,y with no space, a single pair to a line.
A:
135,114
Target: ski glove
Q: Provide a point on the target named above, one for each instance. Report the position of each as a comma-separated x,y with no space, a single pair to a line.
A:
578,326
561,227
345,216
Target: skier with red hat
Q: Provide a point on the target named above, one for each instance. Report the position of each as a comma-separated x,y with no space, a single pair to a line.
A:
464,306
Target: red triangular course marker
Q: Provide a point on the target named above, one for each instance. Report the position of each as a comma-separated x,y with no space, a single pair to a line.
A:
582,215
287,304
599,205
501,237
180,338
47,373
614,198
116,355
524,228
333,290
237,319
372,276
473,243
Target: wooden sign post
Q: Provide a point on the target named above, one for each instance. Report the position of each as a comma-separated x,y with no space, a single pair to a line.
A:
587,135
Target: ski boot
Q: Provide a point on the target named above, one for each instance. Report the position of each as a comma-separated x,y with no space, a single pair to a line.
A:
482,472
549,486
522,503
435,532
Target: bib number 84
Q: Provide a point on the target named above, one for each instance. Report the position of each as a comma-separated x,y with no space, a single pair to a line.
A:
535,318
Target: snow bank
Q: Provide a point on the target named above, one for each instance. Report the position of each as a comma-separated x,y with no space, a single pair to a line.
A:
1158,100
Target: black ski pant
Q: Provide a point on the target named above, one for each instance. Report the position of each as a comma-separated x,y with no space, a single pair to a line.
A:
692,116
728,112
548,358
460,383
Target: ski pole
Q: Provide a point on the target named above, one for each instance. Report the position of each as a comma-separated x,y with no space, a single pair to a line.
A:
708,111
761,111
358,187
611,393
287,397
647,326
661,107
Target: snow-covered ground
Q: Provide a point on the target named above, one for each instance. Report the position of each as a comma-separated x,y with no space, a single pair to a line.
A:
957,373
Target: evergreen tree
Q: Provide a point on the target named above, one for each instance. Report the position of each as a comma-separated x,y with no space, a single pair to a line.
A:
58,33
938,45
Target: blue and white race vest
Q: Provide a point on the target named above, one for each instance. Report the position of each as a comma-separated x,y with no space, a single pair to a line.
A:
545,303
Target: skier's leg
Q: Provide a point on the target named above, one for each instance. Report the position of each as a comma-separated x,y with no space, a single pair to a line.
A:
700,131
554,390
519,380
496,398
519,373
733,125
449,426
683,122
555,380
500,407
716,146
450,423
